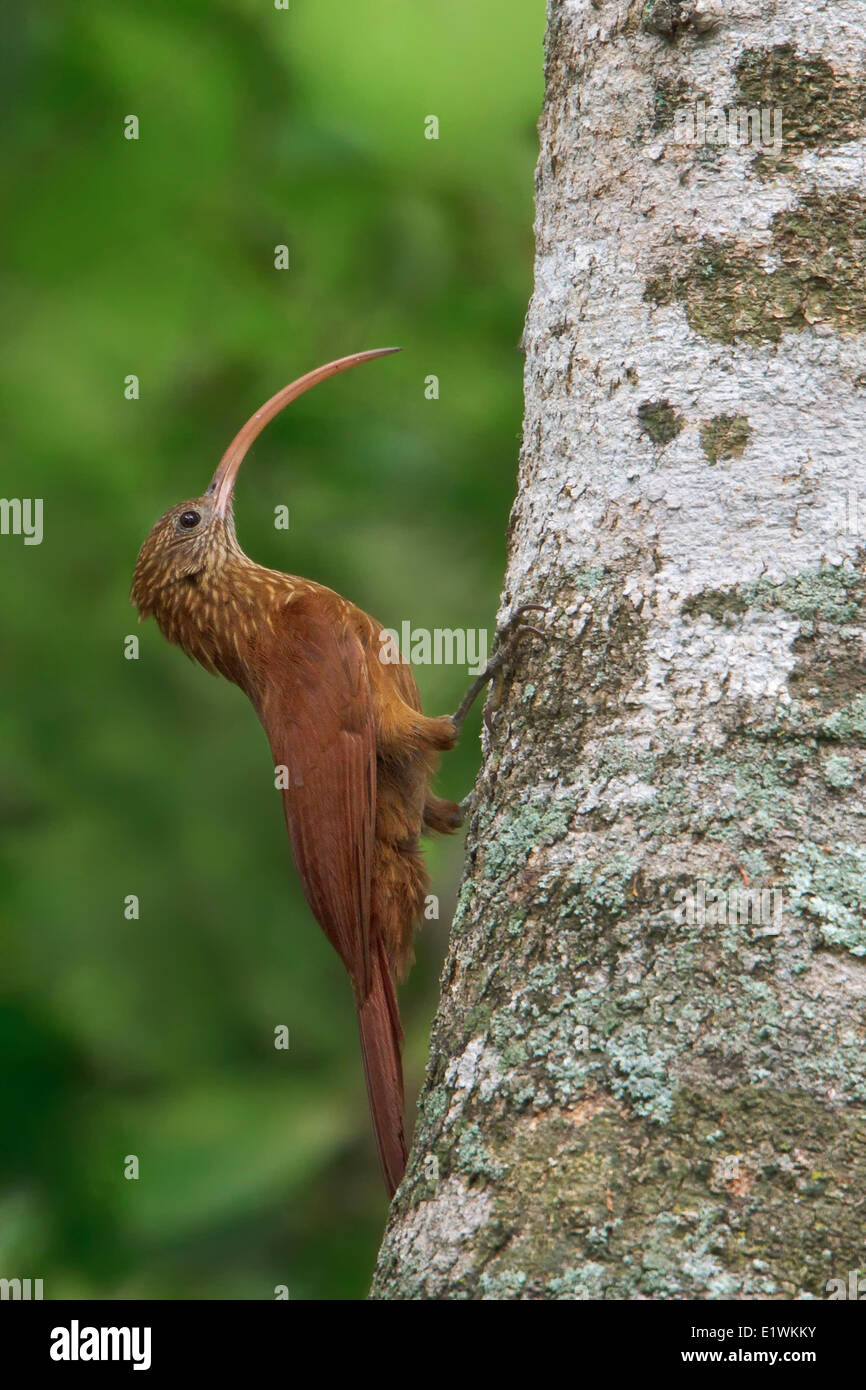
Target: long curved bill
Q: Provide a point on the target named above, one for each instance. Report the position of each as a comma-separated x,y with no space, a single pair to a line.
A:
223,481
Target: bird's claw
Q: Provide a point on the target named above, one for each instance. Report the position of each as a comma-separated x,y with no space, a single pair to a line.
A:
514,626
512,629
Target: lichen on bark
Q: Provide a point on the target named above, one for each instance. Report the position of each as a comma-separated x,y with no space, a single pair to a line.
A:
660,421
725,437
818,105
819,275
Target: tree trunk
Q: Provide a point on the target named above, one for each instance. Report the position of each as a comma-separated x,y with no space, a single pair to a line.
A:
648,1068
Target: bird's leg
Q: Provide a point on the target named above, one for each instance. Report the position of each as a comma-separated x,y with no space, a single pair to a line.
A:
510,632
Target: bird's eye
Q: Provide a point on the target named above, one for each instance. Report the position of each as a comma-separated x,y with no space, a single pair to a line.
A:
190,519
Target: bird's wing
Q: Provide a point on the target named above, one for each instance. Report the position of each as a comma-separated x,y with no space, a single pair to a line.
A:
317,712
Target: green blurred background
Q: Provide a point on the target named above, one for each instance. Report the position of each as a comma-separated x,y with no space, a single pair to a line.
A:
154,1037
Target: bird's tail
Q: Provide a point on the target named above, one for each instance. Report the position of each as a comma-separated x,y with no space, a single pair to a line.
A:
381,1041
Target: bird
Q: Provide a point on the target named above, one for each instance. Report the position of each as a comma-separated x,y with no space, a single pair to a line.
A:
353,750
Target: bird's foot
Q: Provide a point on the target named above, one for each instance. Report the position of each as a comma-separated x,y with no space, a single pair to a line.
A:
514,627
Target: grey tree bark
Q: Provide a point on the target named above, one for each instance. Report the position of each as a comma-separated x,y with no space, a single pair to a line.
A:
648,1069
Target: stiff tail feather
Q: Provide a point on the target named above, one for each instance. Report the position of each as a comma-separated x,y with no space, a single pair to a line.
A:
381,1041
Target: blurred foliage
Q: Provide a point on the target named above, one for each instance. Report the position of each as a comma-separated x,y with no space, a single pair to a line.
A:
154,1037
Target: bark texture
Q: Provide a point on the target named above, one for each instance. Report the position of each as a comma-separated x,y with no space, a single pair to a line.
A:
625,1100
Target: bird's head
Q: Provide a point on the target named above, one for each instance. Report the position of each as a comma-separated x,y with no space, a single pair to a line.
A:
194,539
187,542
